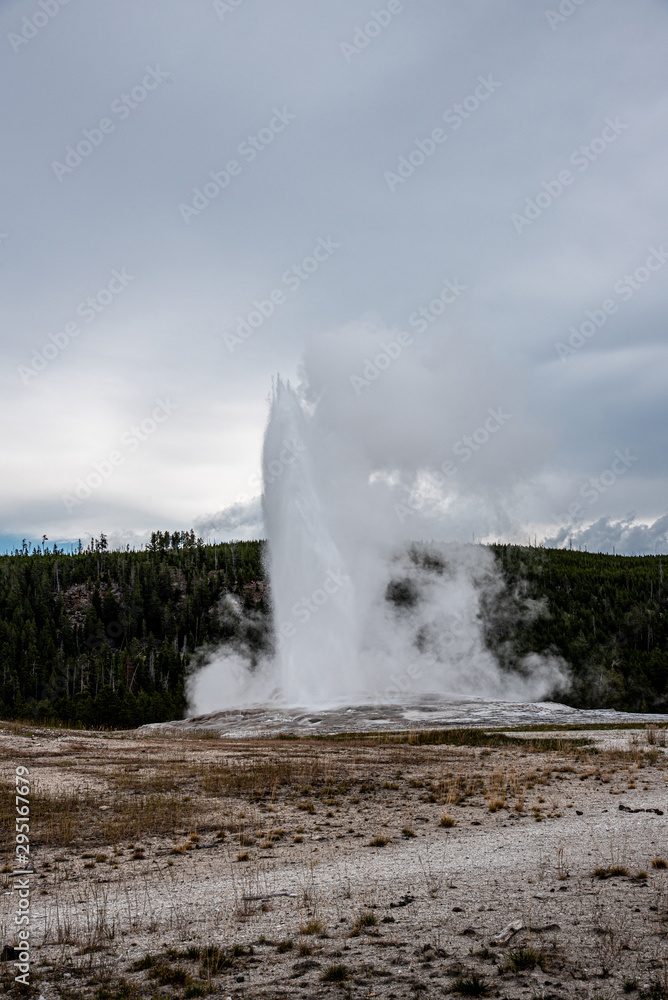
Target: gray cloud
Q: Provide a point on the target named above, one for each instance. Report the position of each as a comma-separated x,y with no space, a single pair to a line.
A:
323,177
626,536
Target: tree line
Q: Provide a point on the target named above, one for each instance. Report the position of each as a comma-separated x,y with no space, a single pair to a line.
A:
107,638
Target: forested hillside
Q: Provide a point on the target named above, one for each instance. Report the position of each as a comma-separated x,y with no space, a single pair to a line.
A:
606,615
106,638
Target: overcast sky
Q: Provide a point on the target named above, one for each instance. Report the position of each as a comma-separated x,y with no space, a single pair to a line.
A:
366,156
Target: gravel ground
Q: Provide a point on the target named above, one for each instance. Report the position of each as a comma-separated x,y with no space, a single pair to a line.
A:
289,863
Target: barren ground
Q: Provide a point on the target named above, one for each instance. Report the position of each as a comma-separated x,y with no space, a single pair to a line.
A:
183,865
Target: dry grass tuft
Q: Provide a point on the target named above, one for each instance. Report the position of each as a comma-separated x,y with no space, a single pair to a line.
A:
365,919
612,871
312,927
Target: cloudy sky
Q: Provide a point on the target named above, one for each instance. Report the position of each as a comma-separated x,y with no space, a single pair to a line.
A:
198,195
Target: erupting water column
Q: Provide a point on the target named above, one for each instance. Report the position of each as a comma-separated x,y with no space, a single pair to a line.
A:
313,597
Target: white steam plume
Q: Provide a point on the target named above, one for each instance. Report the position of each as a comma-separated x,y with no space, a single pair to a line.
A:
360,614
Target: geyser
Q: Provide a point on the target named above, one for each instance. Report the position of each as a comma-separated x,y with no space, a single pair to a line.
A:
312,592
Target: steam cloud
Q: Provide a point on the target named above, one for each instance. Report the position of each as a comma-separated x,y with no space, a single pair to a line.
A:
362,612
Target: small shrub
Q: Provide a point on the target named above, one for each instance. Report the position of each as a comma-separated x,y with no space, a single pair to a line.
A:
630,985
524,959
335,974
379,842
408,832
659,863
472,985
243,856
284,946
447,821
